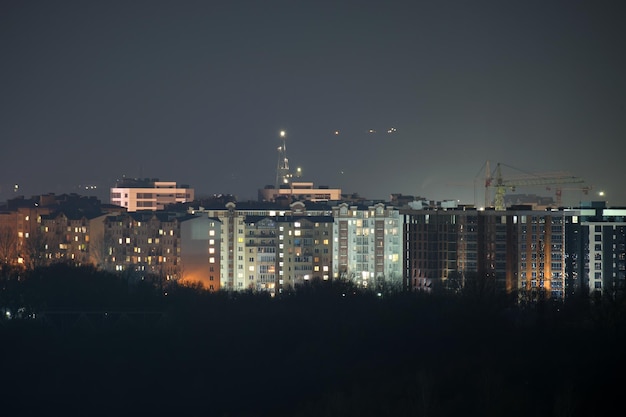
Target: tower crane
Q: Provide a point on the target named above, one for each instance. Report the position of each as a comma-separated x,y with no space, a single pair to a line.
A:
559,192
501,185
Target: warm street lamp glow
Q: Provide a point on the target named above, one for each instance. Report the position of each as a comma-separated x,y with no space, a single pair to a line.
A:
601,193
282,133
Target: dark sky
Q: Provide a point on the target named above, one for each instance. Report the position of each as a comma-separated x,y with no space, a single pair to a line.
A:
198,91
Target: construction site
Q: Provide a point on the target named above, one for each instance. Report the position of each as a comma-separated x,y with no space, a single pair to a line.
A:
507,186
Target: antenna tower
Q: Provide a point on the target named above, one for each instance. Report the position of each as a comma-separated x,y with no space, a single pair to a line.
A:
283,175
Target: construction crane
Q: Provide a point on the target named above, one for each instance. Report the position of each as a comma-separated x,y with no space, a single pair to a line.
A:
559,192
501,185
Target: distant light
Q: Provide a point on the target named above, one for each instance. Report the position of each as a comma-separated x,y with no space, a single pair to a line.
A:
372,131
336,132
282,133
391,130
601,193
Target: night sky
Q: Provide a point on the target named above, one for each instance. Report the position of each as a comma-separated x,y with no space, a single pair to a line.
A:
198,91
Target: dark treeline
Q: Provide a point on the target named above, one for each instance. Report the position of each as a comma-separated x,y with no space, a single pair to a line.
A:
85,342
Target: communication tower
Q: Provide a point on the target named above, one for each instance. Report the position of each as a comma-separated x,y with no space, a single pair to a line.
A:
283,175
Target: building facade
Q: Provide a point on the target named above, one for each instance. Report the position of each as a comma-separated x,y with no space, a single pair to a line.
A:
149,194
367,243
300,191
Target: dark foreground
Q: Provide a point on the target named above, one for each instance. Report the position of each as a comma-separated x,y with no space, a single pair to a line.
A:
318,353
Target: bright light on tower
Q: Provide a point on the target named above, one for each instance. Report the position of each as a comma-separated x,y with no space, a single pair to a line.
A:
282,133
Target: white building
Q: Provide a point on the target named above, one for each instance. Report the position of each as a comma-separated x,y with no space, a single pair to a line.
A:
149,194
367,244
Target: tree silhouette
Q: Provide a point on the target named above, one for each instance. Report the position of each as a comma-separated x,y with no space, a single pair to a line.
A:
8,246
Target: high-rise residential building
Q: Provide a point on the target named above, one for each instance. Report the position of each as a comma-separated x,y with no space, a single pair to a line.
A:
271,246
519,249
304,250
367,243
596,249
540,254
149,194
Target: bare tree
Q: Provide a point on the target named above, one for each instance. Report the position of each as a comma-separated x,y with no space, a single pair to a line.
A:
35,248
100,251
8,246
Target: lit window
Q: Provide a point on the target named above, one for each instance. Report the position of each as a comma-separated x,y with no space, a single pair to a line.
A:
211,260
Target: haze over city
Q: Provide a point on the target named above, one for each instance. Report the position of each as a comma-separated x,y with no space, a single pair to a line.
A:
375,97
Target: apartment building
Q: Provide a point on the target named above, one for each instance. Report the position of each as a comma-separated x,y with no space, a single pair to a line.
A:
259,242
66,236
149,194
520,249
596,249
174,246
300,191
367,243
51,228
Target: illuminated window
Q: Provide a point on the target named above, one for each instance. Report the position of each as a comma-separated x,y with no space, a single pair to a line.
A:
211,260
211,250
211,241
211,232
